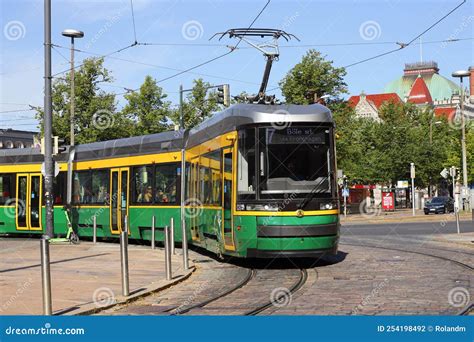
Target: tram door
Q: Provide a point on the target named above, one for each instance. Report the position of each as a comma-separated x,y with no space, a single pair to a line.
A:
227,222
119,180
29,194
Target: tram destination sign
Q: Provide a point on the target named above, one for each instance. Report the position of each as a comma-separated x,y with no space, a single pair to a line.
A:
296,135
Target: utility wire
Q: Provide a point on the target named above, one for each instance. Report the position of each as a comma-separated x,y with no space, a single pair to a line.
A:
133,20
404,45
232,49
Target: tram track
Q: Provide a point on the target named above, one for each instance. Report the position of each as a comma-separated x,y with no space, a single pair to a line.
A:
302,278
249,276
296,286
467,309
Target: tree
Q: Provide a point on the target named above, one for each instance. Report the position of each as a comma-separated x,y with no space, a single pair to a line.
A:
313,75
148,108
198,105
95,115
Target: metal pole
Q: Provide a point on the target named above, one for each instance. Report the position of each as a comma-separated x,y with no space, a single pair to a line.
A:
456,211
184,241
48,123
153,232
345,205
46,276
181,109
167,253
463,147
94,222
124,262
172,235
72,91
413,194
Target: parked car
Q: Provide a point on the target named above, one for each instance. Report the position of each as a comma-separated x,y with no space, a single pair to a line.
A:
439,205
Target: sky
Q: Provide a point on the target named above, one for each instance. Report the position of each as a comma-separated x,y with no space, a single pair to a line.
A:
182,30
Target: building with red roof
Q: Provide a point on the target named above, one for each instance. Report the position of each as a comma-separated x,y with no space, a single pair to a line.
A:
367,106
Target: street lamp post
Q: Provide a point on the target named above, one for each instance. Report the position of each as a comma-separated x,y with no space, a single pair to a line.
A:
461,74
71,33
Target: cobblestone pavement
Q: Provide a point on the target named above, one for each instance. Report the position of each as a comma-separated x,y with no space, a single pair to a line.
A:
359,280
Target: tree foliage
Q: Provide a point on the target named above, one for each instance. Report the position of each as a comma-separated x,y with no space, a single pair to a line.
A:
200,103
313,75
148,108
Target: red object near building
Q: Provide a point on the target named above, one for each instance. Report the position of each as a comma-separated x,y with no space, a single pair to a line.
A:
388,201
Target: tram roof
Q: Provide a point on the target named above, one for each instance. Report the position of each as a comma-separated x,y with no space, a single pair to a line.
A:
145,144
25,156
247,114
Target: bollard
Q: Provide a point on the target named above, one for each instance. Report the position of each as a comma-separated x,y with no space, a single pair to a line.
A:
167,253
153,232
46,277
456,210
124,262
184,243
172,235
94,222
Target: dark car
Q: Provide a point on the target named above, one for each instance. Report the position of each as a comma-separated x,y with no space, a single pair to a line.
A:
439,205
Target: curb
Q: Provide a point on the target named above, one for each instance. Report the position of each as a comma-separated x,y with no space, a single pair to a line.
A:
92,308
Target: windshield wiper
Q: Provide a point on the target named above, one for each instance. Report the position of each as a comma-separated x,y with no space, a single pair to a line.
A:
310,196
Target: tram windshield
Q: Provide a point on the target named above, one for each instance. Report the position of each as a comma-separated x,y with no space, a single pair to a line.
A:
291,161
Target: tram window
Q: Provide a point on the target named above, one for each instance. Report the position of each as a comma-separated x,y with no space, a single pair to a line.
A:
6,188
166,183
100,186
59,186
246,164
211,178
205,184
143,184
81,193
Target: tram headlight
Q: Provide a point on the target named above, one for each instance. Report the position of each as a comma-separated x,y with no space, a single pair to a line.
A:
326,206
262,207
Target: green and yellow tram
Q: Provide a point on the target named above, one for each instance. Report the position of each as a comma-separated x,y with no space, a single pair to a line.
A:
252,181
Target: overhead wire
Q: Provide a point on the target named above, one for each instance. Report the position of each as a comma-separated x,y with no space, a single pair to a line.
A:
405,45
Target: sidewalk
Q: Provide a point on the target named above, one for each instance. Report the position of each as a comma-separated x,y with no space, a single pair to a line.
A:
84,277
465,239
378,216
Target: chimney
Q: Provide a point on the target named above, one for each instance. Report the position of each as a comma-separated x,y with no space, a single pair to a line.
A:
471,84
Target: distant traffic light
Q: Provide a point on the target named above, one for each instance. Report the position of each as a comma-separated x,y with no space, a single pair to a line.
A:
223,95
57,145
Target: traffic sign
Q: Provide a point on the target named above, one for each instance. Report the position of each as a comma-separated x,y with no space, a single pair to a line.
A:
412,170
444,173
56,169
452,171
345,192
